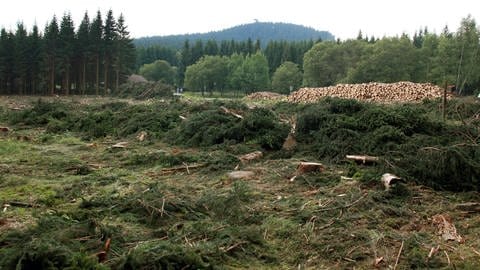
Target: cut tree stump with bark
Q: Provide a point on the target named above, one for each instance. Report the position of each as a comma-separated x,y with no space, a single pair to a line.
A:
389,180
305,167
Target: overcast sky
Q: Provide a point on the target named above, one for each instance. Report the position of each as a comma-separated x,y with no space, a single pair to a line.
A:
343,18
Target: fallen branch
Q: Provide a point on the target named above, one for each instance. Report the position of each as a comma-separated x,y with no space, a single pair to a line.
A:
433,251
120,145
225,110
21,204
152,209
448,257
233,246
398,256
470,207
185,167
163,207
364,159
326,225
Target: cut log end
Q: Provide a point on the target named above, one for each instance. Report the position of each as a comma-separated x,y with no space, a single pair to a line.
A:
363,159
305,167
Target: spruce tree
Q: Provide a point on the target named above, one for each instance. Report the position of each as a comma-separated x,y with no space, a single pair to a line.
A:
35,55
51,47
66,50
124,57
6,61
96,38
82,51
21,59
109,35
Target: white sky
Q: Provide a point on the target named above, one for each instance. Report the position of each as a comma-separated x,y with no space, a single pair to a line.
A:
343,18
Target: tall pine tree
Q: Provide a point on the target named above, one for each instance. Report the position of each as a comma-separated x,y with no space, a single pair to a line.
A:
96,48
109,36
124,57
66,50
82,51
51,47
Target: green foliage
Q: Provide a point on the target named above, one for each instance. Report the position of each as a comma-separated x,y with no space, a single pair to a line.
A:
160,70
94,121
214,126
417,147
209,73
286,76
390,61
162,255
323,64
255,73
36,64
49,246
41,113
236,212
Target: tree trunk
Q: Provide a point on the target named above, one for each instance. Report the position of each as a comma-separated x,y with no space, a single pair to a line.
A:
117,79
105,77
67,81
84,76
52,78
97,88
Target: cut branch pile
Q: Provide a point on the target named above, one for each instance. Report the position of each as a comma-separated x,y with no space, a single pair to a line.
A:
373,92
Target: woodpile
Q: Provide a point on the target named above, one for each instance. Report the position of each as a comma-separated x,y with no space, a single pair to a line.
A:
372,92
265,96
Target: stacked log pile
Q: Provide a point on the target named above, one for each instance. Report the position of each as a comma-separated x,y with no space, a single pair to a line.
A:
372,92
265,96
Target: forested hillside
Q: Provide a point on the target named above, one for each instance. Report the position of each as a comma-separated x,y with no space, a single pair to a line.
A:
91,59
449,57
264,31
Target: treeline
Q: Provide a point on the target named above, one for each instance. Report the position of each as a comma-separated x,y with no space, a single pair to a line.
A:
92,59
448,57
276,52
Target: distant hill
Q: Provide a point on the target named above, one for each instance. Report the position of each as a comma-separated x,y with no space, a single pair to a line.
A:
263,31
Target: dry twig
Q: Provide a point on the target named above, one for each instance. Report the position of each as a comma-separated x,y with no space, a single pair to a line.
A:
398,256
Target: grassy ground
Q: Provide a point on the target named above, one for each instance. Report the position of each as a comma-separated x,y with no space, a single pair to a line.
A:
174,207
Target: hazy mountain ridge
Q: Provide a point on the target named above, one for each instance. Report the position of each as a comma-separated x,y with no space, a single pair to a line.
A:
263,31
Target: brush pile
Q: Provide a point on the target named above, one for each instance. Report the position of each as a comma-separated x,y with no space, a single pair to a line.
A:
372,92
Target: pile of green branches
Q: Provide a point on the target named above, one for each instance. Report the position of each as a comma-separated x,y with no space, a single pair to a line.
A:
408,139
